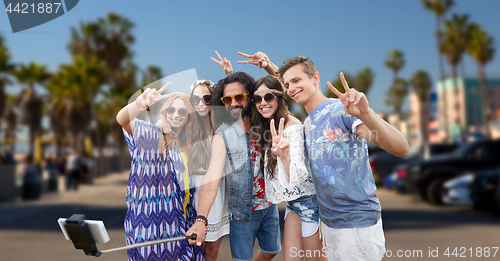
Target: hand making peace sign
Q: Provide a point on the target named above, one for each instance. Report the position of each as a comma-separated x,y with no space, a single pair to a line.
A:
151,96
225,64
259,59
281,145
355,103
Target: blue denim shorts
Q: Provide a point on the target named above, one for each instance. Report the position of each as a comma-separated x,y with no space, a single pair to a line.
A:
306,207
263,225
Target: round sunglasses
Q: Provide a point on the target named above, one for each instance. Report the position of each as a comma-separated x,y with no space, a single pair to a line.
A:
239,98
268,97
196,99
181,111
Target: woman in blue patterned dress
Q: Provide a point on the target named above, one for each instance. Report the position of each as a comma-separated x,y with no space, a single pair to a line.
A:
159,199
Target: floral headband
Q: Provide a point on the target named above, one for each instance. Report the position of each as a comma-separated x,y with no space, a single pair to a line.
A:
205,82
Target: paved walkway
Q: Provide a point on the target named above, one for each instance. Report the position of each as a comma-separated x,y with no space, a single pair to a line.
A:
29,229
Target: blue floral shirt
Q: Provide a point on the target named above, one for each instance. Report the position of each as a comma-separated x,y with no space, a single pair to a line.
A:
341,170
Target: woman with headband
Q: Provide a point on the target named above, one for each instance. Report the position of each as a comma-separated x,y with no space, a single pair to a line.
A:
218,218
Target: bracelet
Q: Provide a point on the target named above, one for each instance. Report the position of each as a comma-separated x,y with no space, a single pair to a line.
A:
139,106
202,219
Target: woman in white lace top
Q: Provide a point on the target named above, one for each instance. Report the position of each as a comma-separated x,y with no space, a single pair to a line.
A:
287,173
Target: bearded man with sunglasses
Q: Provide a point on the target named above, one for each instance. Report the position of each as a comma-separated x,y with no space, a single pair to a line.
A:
236,153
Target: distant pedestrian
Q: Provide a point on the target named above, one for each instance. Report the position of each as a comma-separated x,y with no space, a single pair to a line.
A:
73,172
31,179
53,173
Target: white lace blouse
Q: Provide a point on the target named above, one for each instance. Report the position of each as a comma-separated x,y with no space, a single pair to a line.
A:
300,183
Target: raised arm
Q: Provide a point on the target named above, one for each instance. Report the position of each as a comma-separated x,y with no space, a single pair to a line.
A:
165,127
280,145
374,128
297,170
126,116
260,60
225,64
209,187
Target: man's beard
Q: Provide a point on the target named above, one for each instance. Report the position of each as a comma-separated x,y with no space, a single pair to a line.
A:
245,111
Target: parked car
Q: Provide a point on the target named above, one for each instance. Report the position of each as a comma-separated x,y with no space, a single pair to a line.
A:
484,189
383,164
456,191
496,196
427,177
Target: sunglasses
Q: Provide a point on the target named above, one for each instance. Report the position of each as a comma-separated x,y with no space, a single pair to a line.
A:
268,97
239,98
182,111
196,100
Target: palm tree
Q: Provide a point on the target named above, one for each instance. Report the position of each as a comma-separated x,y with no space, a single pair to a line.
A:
482,49
440,8
72,92
151,74
455,39
11,120
119,39
396,95
364,80
421,84
395,61
31,104
337,83
109,40
6,68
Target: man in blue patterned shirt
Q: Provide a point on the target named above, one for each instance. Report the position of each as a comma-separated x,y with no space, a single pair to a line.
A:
336,131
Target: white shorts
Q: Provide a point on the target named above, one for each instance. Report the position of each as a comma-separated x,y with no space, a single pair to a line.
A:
354,244
308,228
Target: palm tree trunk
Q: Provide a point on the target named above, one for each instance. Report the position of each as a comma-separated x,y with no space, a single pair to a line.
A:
424,119
93,114
462,68
484,102
440,55
455,93
58,144
444,113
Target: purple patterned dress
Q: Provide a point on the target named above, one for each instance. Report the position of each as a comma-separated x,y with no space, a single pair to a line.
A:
156,198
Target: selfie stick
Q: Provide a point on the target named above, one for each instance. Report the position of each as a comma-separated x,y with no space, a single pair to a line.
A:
86,233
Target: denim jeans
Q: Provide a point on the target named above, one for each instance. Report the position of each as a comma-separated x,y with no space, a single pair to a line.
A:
264,225
306,207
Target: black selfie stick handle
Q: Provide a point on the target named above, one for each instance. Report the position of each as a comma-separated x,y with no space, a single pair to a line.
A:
192,236
79,233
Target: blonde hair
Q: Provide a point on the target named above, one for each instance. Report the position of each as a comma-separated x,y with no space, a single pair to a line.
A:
192,129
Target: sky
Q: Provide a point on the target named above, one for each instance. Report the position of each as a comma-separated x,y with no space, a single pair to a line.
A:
337,35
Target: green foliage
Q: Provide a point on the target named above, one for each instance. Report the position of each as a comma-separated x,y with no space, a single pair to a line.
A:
421,84
439,7
152,73
455,38
396,94
364,80
395,61
481,46
337,83
361,82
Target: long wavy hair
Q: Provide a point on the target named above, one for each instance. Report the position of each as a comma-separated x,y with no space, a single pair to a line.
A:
201,149
261,125
192,129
